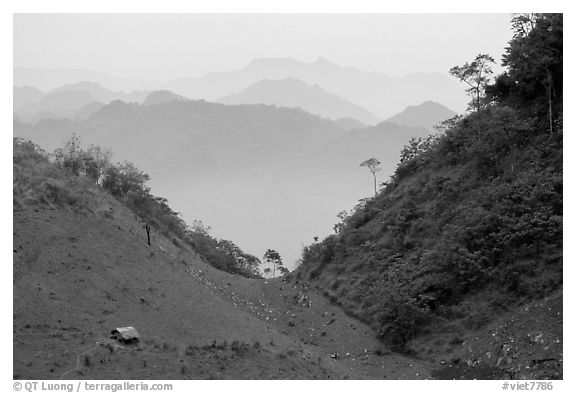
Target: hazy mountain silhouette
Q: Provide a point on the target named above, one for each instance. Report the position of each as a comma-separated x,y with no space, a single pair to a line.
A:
55,105
65,101
103,94
88,110
52,78
162,97
25,95
294,93
382,95
427,115
195,134
350,124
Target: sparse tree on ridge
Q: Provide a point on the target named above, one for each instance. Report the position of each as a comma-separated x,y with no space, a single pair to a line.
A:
373,166
477,76
274,258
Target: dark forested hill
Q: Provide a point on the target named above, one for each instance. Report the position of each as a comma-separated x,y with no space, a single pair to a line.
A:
468,231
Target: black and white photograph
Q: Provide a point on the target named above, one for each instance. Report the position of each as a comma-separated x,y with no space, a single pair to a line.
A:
286,196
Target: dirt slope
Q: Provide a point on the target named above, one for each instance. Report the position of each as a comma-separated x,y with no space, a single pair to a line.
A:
79,275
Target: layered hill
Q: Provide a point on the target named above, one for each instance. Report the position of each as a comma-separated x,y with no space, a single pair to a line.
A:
25,95
159,97
380,94
57,105
72,101
192,135
103,94
370,95
293,93
47,79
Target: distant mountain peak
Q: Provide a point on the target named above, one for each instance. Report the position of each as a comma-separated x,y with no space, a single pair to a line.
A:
272,62
294,93
158,97
282,81
427,115
323,61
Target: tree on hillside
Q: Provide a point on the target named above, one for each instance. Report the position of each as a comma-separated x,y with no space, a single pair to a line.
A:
96,159
273,257
342,216
70,156
373,166
147,227
477,76
244,260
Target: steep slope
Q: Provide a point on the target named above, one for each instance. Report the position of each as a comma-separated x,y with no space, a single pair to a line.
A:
426,115
380,94
293,93
460,257
461,254
467,231
82,268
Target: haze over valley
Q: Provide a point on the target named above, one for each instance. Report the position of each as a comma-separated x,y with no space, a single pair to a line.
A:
266,152
232,166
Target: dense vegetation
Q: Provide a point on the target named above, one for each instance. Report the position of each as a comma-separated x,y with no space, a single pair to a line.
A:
470,225
72,176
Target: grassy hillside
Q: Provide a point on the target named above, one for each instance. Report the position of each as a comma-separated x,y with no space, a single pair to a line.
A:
77,178
468,230
82,267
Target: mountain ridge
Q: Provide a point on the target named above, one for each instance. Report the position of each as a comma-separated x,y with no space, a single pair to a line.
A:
291,92
378,93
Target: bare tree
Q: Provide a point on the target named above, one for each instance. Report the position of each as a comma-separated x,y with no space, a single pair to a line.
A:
147,227
373,166
274,258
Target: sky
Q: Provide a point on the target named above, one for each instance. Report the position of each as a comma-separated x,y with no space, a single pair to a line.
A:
167,46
